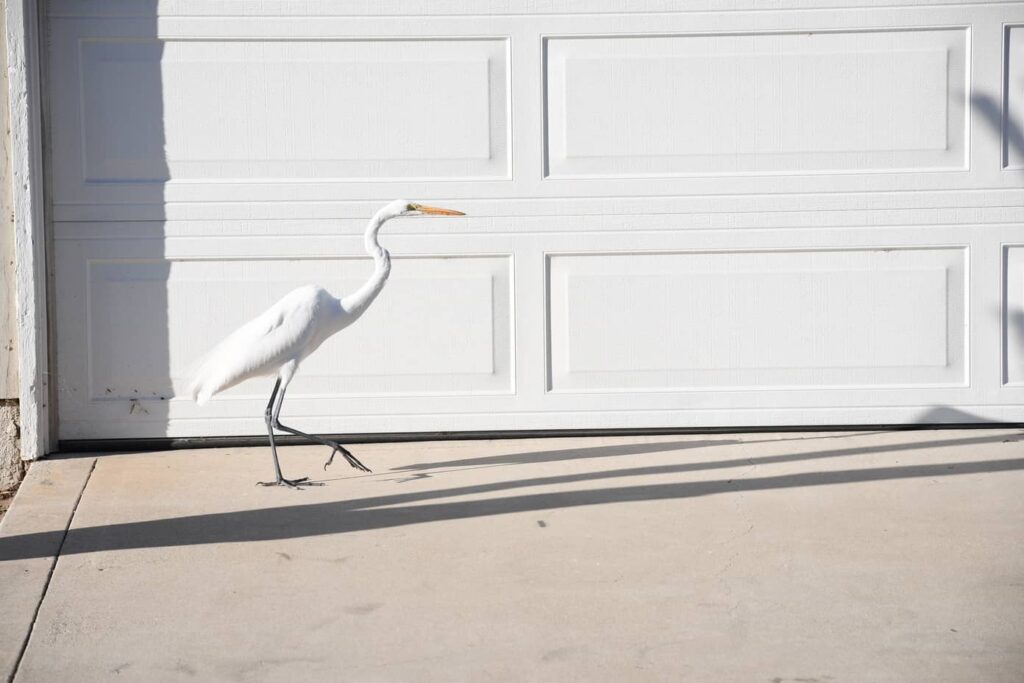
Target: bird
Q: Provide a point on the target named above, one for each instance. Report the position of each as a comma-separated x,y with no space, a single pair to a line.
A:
279,339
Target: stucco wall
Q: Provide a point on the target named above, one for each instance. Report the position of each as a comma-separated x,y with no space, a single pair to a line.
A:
8,344
11,466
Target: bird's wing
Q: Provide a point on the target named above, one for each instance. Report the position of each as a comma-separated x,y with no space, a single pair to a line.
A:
260,346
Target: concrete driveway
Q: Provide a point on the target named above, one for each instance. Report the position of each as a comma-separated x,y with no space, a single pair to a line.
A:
887,556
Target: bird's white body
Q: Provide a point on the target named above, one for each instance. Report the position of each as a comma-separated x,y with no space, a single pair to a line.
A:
284,334
277,340
280,338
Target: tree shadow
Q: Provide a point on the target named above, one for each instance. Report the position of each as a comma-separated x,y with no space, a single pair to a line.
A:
618,450
406,509
674,468
991,111
534,457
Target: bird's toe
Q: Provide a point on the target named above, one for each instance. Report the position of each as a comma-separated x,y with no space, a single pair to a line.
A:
297,484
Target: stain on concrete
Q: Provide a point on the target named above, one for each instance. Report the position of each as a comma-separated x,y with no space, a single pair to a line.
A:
244,671
558,654
323,623
184,668
120,667
363,608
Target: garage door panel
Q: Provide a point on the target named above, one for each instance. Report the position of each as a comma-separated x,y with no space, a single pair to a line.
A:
757,320
135,110
143,318
677,217
442,324
443,327
272,125
756,103
126,330
694,269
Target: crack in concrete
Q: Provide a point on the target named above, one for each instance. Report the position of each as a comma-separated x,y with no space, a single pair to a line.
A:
49,576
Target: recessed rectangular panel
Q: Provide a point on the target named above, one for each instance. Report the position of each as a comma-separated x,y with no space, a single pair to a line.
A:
756,320
756,103
155,110
1013,316
149,321
1013,111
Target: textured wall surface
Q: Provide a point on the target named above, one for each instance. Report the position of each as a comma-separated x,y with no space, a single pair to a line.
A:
11,465
8,337
12,468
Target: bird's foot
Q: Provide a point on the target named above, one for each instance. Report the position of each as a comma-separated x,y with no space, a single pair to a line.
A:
291,483
352,460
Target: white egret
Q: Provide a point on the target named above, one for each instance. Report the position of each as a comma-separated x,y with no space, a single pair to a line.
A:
276,341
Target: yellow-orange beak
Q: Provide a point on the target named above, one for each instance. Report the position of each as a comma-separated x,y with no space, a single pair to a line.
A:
434,211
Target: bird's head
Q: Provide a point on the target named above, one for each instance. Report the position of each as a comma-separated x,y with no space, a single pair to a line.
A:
403,207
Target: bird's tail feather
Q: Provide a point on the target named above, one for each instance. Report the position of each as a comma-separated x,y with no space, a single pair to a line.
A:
210,377
199,382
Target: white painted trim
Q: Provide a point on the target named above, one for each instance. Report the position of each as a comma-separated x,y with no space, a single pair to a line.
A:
24,78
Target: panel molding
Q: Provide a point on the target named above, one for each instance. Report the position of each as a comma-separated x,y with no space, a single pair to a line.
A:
1012,315
758,103
1013,98
232,113
681,321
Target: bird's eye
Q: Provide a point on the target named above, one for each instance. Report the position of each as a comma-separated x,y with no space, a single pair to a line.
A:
411,207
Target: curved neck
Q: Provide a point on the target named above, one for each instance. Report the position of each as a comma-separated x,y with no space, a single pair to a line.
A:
358,301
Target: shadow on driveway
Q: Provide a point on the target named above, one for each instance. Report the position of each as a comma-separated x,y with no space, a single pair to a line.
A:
379,512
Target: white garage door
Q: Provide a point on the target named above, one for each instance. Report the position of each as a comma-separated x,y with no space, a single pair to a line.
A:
677,217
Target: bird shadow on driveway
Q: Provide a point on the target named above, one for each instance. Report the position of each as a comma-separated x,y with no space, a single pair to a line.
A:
405,509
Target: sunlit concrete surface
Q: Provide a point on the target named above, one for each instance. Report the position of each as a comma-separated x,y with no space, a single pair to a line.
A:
764,557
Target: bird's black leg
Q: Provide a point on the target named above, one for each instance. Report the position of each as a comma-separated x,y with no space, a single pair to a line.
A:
334,445
280,480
